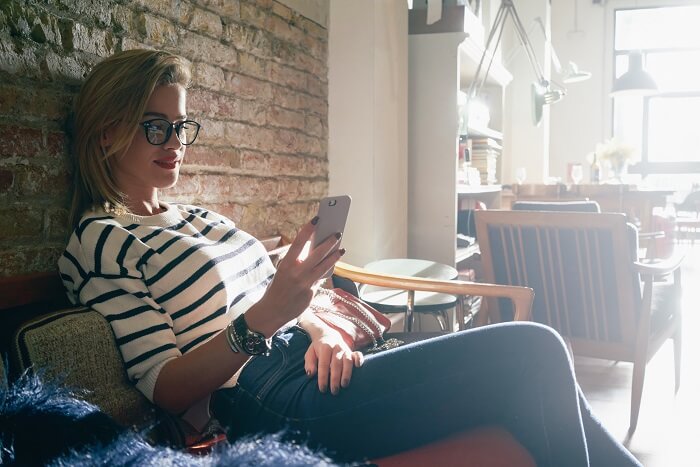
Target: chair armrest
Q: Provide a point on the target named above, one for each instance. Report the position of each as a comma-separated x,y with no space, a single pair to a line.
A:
660,267
520,296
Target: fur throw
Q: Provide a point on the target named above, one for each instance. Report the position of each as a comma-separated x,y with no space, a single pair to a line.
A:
43,424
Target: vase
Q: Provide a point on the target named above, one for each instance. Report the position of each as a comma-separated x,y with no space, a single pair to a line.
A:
616,170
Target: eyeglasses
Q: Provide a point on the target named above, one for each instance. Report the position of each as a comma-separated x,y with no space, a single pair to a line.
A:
159,130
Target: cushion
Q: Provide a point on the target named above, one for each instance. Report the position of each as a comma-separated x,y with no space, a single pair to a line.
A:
76,345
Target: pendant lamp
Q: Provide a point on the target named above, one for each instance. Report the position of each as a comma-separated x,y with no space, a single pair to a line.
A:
636,81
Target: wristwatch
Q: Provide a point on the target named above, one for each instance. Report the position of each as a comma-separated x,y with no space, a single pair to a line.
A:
247,340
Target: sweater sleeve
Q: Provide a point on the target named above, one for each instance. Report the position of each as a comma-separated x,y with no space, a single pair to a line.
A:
99,270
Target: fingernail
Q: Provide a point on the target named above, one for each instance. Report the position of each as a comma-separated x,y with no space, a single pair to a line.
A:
334,391
342,251
308,373
338,235
314,220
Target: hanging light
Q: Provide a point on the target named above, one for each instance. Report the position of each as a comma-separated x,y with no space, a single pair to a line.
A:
636,81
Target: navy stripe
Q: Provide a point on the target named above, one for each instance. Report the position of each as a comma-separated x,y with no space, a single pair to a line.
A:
205,320
83,284
72,259
143,332
144,259
66,278
175,227
206,267
129,313
114,294
147,355
172,264
196,341
99,247
81,227
263,284
122,253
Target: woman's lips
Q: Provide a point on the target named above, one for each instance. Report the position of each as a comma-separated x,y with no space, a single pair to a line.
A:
167,164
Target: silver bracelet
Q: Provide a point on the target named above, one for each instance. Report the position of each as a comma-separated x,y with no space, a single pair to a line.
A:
231,339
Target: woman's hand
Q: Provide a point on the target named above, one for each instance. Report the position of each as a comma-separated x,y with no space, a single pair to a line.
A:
292,288
331,359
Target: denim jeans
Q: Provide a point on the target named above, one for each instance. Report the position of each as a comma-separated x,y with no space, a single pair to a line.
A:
516,375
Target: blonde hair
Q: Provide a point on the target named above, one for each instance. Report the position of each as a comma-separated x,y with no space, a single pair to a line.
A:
114,96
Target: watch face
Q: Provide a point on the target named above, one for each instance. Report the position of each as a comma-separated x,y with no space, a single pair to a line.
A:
254,344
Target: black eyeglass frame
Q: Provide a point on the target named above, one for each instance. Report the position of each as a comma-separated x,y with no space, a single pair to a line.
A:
177,126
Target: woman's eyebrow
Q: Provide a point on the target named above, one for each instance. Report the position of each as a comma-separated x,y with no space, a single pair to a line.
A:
158,114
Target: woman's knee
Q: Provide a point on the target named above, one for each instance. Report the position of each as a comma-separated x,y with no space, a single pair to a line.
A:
537,338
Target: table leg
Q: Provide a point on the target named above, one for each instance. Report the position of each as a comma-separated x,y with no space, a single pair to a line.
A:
408,325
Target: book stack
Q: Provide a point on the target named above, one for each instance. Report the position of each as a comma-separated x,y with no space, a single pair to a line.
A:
484,156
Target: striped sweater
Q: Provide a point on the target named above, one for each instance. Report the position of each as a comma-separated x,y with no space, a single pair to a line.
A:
165,283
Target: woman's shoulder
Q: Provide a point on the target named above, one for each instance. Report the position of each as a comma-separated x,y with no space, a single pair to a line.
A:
202,212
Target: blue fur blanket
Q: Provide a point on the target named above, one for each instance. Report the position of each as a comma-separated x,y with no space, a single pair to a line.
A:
44,424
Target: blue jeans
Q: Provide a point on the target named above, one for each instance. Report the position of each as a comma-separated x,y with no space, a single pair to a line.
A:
516,375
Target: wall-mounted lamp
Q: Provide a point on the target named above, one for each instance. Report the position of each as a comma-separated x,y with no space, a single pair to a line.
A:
636,80
544,91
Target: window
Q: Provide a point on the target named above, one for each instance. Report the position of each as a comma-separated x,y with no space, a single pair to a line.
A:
665,125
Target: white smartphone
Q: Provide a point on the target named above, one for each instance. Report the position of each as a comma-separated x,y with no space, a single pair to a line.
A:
332,215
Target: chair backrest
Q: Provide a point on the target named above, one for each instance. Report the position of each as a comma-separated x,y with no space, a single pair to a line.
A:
567,206
580,266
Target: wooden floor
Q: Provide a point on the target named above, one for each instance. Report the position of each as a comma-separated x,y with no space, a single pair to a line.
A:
667,434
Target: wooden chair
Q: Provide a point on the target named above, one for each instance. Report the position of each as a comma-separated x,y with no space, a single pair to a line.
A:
589,284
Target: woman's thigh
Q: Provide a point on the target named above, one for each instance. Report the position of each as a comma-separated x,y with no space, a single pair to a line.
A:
409,395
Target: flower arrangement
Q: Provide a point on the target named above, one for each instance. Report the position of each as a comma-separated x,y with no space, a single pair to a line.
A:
614,153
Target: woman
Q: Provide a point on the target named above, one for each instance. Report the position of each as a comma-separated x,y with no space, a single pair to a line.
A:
198,310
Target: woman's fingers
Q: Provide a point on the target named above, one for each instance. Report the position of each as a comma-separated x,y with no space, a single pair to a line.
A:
310,361
300,240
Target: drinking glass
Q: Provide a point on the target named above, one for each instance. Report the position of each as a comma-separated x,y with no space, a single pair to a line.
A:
576,173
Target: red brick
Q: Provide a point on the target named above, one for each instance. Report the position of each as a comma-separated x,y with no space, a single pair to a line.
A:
93,40
282,10
20,141
57,224
287,76
247,87
157,30
23,103
284,30
313,29
66,68
37,181
178,11
195,46
249,39
208,76
316,86
278,164
56,144
316,126
254,66
252,14
7,178
213,132
279,117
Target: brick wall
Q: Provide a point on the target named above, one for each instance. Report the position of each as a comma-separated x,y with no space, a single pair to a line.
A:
261,94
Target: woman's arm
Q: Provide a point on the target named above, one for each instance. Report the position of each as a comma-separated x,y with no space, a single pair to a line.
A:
184,380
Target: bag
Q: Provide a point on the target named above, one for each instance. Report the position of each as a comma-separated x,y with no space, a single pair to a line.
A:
359,322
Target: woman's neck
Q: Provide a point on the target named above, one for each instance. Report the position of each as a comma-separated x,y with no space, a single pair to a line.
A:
149,207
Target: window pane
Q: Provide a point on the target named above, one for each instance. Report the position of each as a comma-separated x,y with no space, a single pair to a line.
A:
677,138
664,27
627,123
674,71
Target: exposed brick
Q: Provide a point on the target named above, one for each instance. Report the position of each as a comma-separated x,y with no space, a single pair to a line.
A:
176,10
198,47
18,60
23,259
56,144
20,141
229,8
92,40
250,39
247,87
7,178
284,30
250,137
282,10
313,29
294,165
314,126
252,14
57,227
45,30
66,67
43,182
213,132
316,87
157,30
208,76
254,66
123,19
279,117
206,22
288,76
315,47
215,157
20,221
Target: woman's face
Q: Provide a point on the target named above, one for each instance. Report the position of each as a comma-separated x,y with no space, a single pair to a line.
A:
145,168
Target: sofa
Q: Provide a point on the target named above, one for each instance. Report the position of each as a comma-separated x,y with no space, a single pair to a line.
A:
41,332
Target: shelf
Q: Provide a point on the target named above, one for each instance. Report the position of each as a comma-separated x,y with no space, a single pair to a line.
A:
466,252
477,189
485,132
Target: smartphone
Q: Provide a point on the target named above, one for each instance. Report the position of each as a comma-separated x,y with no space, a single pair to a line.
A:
332,215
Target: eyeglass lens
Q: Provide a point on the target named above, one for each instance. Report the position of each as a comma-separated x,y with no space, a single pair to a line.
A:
158,131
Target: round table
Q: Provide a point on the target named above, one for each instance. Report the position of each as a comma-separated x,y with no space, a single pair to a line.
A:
393,300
